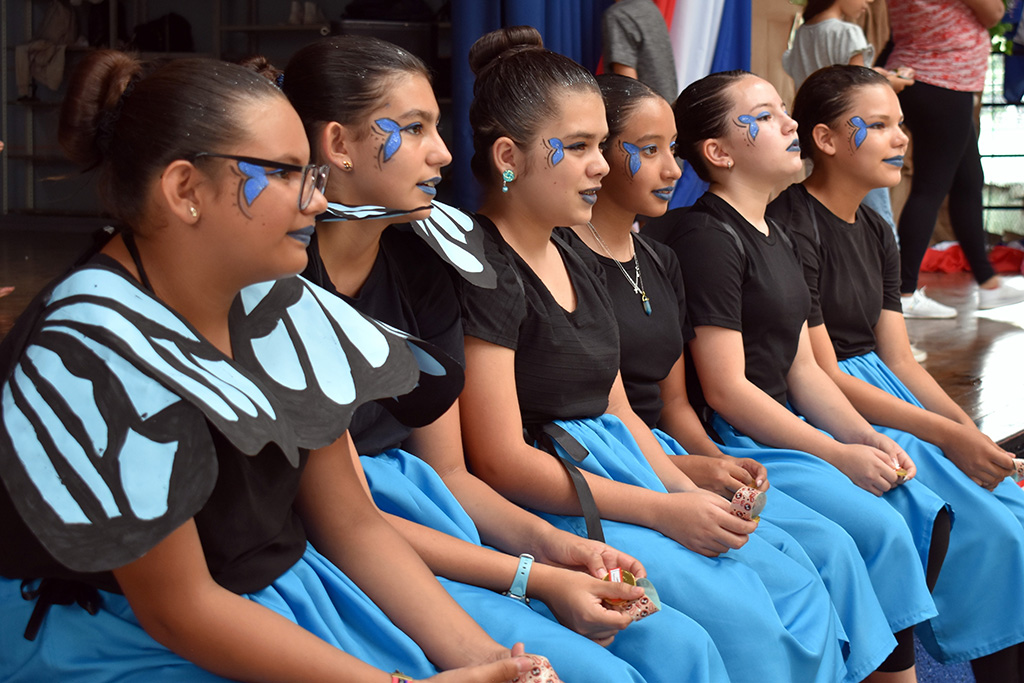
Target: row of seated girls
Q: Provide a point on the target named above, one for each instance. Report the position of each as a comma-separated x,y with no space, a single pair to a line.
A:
419,460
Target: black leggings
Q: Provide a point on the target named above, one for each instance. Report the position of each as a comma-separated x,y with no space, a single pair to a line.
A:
902,657
946,161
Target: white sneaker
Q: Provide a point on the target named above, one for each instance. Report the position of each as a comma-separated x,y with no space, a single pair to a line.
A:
1005,294
919,305
919,355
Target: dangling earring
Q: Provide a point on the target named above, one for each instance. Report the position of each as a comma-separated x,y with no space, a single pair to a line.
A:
193,211
346,165
507,176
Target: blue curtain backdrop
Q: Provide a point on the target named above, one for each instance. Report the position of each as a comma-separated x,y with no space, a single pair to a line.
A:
572,28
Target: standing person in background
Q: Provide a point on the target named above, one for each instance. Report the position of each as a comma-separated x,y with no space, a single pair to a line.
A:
637,44
947,45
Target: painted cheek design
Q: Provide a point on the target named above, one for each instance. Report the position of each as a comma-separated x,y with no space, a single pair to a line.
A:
751,123
394,136
632,158
254,181
860,131
557,151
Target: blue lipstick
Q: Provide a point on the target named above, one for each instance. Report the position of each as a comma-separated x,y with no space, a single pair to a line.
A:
428,186
794,146
664,193
895,161
302,234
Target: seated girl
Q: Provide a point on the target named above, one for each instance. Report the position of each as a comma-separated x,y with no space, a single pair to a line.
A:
174,417
542,356
371,115
645,285
850,126
749,305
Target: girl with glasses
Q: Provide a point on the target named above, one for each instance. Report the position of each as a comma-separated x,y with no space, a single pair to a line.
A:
859,338
542,358
371,115
174,415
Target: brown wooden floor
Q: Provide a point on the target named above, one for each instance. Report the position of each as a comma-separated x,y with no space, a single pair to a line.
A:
977,357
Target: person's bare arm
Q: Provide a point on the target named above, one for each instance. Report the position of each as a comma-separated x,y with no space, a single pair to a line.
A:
988,12
623,70
941,421
492,430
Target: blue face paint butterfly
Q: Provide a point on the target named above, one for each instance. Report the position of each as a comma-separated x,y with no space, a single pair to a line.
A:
860,132
751,123
394,133
557,151
255,180
633,161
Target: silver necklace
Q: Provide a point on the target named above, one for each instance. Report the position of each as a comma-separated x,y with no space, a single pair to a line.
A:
638,283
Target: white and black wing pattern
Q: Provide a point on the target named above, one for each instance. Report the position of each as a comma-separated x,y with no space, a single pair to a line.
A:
458,239
104,443
322,359
101,459
343,212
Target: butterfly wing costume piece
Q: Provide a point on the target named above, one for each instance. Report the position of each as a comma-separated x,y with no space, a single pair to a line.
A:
109,397
453,234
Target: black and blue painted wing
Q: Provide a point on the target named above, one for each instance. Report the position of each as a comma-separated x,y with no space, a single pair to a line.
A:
458,239
105,446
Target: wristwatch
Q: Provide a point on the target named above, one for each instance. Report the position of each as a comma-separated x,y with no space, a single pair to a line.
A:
517,591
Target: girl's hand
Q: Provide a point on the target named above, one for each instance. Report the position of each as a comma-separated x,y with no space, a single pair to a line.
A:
563,549
896,456
504,666
703,522
978,456
867,467
723,475
578,602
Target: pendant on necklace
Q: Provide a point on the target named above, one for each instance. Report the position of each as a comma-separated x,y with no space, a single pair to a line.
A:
646,302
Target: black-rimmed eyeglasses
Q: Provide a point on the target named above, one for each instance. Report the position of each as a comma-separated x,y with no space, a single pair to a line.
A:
314,177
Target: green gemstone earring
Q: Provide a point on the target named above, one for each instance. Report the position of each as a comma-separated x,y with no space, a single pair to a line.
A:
507,176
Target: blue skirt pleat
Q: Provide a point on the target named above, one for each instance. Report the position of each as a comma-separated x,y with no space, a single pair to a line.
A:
833,554
883,536
75,646
986,543
404,485
769,616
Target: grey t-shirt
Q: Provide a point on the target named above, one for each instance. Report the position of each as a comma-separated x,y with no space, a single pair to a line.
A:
635,35
828,42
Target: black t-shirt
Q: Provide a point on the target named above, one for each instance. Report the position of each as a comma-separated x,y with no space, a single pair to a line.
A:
249,531
852,270
740,279
408,288
565,362
649,345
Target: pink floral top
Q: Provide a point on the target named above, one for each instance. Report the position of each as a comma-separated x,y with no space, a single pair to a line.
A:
942,40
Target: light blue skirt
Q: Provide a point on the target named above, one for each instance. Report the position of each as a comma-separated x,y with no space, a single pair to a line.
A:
980,611
74,646
768,614
834,555
892,533
407,487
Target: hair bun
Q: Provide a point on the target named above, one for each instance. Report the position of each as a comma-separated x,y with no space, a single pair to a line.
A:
94,96
496,44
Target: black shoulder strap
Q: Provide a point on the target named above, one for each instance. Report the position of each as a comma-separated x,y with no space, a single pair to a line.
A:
736,236
546,436
637,239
